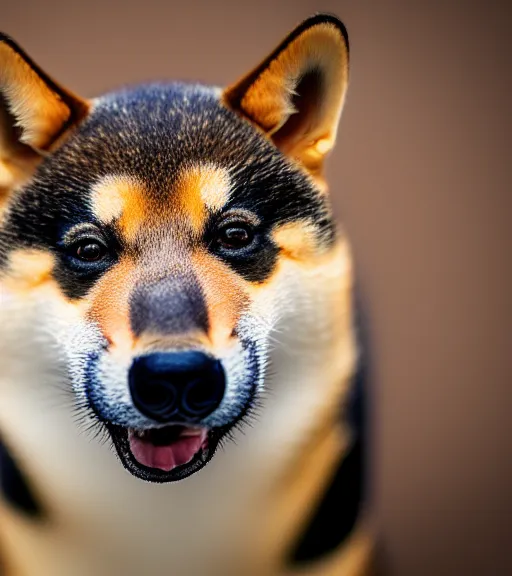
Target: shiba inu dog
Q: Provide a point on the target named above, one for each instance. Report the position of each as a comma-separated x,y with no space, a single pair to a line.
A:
171,279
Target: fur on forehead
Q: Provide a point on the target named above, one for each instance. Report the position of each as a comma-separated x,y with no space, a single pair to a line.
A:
154,134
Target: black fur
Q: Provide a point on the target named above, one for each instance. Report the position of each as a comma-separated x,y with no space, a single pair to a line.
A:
15,489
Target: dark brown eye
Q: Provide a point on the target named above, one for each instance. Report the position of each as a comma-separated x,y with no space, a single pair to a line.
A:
235,236
90,250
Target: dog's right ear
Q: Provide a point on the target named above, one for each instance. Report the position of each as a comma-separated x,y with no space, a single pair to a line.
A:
36,115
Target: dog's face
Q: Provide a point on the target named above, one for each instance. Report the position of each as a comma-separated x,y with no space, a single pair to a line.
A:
168,228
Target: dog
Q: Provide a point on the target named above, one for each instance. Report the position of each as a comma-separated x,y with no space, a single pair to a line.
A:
182,368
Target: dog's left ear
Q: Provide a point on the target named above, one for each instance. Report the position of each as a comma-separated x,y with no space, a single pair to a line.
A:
36,114
296,95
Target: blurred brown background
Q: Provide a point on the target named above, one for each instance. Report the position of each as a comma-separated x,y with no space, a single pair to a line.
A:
421,180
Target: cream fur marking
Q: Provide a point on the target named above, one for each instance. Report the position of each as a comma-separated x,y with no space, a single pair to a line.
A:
214,184
108,197
201,188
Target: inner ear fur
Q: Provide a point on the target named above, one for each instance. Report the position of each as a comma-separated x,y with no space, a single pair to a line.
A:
296,95
36,114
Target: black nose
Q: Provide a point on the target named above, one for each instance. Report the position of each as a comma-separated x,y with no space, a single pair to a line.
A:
176,386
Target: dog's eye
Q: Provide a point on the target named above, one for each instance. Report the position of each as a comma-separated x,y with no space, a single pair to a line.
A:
89,250
234,236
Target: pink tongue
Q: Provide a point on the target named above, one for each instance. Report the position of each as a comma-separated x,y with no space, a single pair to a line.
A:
181,451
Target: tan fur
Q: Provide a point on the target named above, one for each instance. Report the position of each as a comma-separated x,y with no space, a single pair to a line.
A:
202,187
126,199
109,305
136,208
123,197
298,240
226,297
29,278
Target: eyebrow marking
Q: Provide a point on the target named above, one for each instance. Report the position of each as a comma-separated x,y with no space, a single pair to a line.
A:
215,185
107,197
202,187
124,198
199,188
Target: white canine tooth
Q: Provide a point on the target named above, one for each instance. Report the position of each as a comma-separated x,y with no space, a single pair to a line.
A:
191,432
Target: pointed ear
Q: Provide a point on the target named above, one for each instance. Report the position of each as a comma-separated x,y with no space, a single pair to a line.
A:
35,114
296,95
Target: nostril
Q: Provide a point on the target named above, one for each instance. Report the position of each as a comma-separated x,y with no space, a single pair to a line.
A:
201,397
158,396
153,397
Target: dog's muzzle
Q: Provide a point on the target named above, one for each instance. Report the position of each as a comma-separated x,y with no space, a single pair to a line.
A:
181,405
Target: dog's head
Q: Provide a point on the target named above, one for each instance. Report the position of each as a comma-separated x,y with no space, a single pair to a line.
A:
168,228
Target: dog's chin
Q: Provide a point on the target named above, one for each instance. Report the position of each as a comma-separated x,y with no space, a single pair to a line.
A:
164,454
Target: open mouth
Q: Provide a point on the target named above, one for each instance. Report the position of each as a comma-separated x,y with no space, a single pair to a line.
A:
164,454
